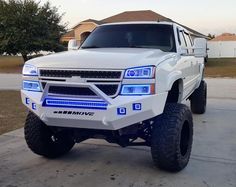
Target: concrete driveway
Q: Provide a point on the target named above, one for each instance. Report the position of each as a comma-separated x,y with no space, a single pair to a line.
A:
10,81
96,163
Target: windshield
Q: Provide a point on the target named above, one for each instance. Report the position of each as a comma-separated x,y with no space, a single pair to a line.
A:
153,36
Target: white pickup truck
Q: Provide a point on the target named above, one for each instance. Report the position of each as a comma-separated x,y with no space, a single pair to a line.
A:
124,84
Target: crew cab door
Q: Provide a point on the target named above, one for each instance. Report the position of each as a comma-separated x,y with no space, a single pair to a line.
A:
188,63
194,63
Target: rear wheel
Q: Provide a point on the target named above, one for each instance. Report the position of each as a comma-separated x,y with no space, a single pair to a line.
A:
43,141
172,138
198,99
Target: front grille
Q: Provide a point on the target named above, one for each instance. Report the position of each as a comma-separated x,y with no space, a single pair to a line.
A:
78,91
108,81
44,84
81,73
109,90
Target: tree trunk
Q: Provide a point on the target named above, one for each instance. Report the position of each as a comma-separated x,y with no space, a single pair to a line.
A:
25,57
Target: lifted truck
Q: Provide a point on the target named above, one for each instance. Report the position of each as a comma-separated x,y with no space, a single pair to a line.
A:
124,84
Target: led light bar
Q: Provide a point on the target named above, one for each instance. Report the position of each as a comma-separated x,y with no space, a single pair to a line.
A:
31,86
67,103
145,72
137,89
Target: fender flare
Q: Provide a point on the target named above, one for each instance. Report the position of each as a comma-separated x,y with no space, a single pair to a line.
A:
173,76
202,67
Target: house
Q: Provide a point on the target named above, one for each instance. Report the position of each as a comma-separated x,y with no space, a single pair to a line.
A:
68,36
223,46
85,27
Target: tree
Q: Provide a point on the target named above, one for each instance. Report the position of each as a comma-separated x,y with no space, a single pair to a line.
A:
27,27
211,36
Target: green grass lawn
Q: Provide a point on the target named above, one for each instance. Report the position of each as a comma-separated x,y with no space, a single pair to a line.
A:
225,67
12,111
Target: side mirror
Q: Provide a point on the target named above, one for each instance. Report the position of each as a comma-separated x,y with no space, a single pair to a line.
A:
183,50
200,47
73,45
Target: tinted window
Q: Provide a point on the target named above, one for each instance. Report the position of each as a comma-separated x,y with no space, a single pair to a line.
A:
132,36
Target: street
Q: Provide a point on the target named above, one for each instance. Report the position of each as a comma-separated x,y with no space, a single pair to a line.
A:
10,81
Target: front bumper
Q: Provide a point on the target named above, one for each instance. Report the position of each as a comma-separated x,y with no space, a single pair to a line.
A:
118,113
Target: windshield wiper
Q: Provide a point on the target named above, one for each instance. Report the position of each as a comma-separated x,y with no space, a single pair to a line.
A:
90,47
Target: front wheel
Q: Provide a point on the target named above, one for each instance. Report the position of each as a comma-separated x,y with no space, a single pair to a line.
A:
172,138
43,141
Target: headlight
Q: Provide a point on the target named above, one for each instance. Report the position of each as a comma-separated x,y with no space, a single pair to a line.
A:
31,86
30,70
146,72
145,89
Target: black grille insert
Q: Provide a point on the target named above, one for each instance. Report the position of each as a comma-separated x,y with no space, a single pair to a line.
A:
82,74
80,91
108,89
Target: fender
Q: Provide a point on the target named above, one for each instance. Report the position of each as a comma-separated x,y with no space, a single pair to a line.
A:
172,77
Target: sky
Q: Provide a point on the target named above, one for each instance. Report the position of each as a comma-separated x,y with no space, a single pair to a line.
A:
205,16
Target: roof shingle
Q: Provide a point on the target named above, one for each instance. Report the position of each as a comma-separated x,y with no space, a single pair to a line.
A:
225,37
143,15
94,21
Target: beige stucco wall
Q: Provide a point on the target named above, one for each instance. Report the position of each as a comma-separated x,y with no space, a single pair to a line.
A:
83,27
66,39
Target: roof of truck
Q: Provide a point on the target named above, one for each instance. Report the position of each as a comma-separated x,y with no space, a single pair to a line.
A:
139,22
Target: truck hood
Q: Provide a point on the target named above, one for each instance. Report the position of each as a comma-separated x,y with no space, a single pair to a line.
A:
104,58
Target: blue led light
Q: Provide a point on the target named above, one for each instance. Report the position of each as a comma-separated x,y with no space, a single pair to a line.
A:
136,89
31,86
131,73
33,106
137,106
145,72
27,101
66,103
121,111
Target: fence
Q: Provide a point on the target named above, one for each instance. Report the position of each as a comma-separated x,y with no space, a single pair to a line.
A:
222,49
